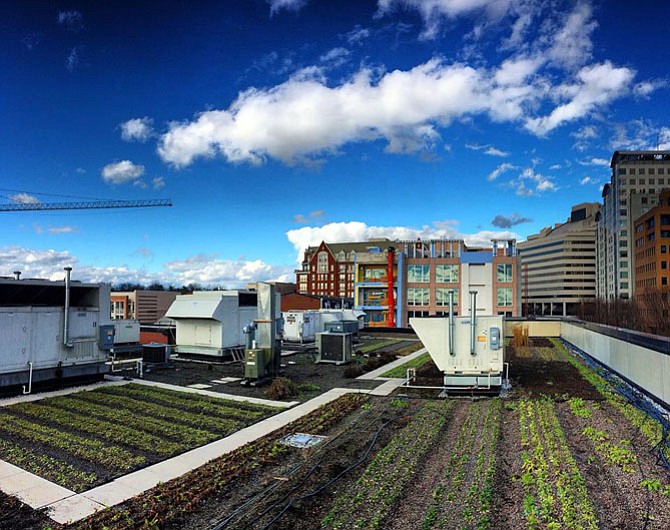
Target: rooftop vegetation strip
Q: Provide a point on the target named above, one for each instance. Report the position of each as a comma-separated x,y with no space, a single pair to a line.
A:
369,501
114,432
169,501
401,371
145,422
163,411
555,490
111,457
46,466
650,427
190,401
374,346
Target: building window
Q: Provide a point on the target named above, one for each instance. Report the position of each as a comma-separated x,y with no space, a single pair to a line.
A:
664,280
418,296
664,264
651,171
418,273
622,171
504,296
504,272
641,171
446,273
664,249
631,171
322,261
442,296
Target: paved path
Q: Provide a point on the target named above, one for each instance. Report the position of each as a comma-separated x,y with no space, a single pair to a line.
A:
377,374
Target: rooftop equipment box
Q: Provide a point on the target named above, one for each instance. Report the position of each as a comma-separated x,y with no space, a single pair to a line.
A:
334,348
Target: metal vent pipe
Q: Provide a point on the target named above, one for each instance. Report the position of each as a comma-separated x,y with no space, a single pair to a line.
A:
17,275
473,321
66,311
451,323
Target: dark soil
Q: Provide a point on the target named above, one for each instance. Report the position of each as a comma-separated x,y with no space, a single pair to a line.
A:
14,515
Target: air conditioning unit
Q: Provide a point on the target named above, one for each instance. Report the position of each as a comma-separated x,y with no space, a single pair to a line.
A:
334,348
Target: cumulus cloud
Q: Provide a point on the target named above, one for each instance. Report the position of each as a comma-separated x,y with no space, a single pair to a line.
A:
502,168
645,88
341,232
587,180
594,161
571,46
357,35
24,198
289,5
596,85
137,129
72,20
508,221
209,270
529,182
122,172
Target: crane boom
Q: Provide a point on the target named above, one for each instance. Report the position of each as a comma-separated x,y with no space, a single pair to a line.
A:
83,205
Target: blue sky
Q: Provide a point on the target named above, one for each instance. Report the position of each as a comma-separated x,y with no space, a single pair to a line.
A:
275,124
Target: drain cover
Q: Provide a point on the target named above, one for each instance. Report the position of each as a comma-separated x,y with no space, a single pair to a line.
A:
301,440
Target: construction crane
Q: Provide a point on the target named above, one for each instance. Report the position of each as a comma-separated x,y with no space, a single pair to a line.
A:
83,205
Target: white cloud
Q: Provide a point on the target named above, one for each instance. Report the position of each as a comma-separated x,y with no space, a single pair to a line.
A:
587,180
357,35
158,183
335,56
304,219
645,88
433,12
529,183
596,85
301,238
138,129
72,60
571,46
500,170
587,132
594,162
62,229
122,172
209,270
553,167
24,198
289,5
487,149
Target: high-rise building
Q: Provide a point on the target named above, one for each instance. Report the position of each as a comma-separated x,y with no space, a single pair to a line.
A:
637,179
147,306
558,265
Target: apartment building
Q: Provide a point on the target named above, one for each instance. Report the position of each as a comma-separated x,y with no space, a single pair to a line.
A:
652,250
147,307
636,181
558,265
392,281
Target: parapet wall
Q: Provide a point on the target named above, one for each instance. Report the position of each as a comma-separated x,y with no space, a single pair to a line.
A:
647,368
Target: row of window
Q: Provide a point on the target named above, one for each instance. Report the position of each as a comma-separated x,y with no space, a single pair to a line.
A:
642,171
420,296
449,273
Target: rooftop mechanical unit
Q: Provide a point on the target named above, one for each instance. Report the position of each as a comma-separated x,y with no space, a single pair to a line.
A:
334,347
342,326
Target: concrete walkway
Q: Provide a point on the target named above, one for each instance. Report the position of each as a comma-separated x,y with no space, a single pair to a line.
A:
67,506
377,374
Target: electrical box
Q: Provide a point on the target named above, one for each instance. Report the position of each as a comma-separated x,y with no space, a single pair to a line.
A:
106,336
494,338
334,348
254,363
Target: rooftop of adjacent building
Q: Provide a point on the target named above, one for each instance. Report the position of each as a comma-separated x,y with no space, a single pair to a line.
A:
639,156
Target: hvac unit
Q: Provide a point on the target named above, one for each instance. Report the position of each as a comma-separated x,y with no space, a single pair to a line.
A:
156,353
334,347
342,326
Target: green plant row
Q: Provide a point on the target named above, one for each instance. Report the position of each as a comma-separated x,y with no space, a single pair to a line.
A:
144,421
614,453
374,346
46,466
555,490
192,402
111,457
649,427
169,501
475,442
401,371
114,432
163,412
368,502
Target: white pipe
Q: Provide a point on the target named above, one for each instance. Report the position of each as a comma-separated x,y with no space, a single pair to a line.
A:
451,322
140,369
66,311
30,381
473,321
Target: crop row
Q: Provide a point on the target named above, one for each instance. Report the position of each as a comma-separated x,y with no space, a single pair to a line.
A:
46,466
144,421
111,457
555,490
192,402
163,412
477,441
651,428
171,500
370,499
374,346
114,432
